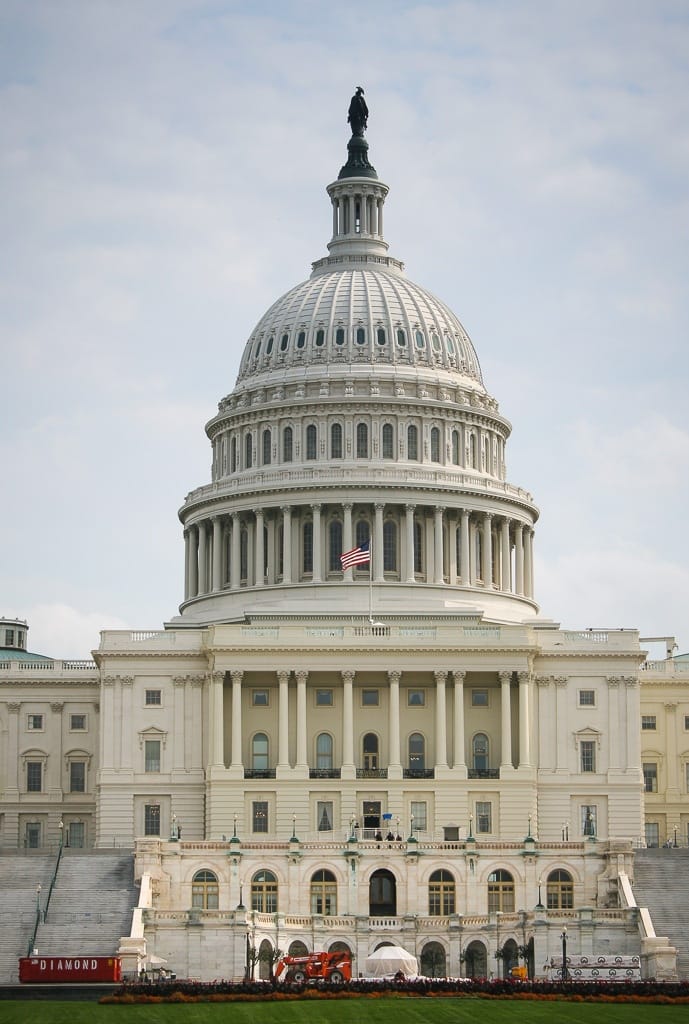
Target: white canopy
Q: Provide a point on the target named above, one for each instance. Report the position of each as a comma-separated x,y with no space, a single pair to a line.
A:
390,960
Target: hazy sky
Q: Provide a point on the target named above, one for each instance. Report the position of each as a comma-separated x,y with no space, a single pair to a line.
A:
163,169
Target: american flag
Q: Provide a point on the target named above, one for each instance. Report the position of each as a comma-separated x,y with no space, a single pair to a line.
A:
357,556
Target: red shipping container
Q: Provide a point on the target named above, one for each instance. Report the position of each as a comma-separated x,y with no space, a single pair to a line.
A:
80,969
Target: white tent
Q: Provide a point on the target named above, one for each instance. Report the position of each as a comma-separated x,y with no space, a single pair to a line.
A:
389,960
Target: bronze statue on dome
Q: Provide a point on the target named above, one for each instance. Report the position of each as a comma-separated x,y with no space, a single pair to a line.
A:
358,113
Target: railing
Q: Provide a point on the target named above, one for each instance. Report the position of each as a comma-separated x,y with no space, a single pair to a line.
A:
484,773
371,773
325,773
53,879
259,773
418,773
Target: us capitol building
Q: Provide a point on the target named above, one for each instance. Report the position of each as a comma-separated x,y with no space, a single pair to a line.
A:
402,751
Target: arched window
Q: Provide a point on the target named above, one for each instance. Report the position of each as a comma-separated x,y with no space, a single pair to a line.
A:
323,893
334,545
420,340
433,960
370,751
248,451
269,346
380,335
479,555
436,342
417,752
388,441
287,444
441,894
307,553
264,892
361,335
361,441
259,752
455,447
500,892
204,891
233,455
320,337
336,441
401,338
458,550
266,447
284,342
340,336
382,894
412,443
363,533
311,441
560,891
324,751
479,747
297,948
301,339
472,451
435,444
390,546
418,547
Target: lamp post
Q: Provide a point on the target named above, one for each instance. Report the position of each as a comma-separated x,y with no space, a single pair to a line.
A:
234,827
528,835
540,901
564,953
471,827
240,905
565,832
61,827
38,898
498,951
294,827
174,829
675,842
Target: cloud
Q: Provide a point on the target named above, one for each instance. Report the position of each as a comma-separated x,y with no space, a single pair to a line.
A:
61,631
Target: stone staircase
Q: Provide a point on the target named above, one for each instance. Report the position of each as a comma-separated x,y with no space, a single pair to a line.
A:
661,883
20,873
91,905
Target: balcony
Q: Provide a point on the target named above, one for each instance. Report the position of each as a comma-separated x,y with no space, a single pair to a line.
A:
325,773
484,773
371,773
259,773
418,773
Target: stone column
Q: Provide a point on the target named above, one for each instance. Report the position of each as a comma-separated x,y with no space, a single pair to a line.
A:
546,712
409,546
283,720
464,570
347,539
178,724
440,720
194,562
259,564
614,722
452,552
217,554
561,746
506,576
348,722
235,561
237,760
302,756
378,561
459,757
633,719
505,720
107,716
524,719
217,723
519,557
438,555
528,562
203,564
487,550
317,572
12,788
127,684
286,544
187,562
193,735
394,723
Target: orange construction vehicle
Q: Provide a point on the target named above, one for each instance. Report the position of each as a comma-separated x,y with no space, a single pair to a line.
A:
333,968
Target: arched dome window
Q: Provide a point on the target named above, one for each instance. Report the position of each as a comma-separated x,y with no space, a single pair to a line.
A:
340,336
307,553
334,545
259,752
320,338
361,441
560,891
436,342
435,444
233,455
269,346
311,441
324,751
266,447
323,893
401,338
388,441
284,342
449,344
361,335
264,892
380,336
287,442
301,339
258,349
412,443
248,451
390,546
336,441
204,891
417,752
420,340
455,447
441,894
500,892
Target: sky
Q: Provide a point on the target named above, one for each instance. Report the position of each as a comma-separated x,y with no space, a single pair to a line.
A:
163,166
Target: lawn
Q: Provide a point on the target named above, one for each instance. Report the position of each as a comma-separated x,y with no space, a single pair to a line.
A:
355,1011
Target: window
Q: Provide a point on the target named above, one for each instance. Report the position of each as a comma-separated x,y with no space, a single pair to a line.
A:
686,721
484,817
648,723
324,751
35,723
334,545
323,893
361,441
436,342
307,553
259,752
77,723
269,346
324,815
441,894
33,835
264,892
259,816
416,698
455,448
287,444
76,835
418,547
652,834
650,771
589,814
369,698
266,447
361,335
588,755
152,819
248,452
34,776
480,752
311,442
559,891
587,698
243,554
419,813
412,443
417,752
259,698
479,698
204,891
336,441
284,342
370,751
77,776
153,698
500,892
9,638
152,755
388,441
389,546
340,336
401,338
233,455
435,445
686,773
420,340
301,339
320,338
380,336
324,698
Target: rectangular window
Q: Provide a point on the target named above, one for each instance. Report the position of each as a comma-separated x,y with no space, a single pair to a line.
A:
416,698
259,816
588,755
77,723
153,698
652,834
324,815
33,835
589,820
369,698
686,721
648,723
484,817
259,698
35,723
152,820
9,638
686,772
479,698
650,777
324,698
34,776
152,755
77,776
419,812
76,835
587,698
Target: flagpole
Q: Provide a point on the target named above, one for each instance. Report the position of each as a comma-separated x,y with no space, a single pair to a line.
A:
370,581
